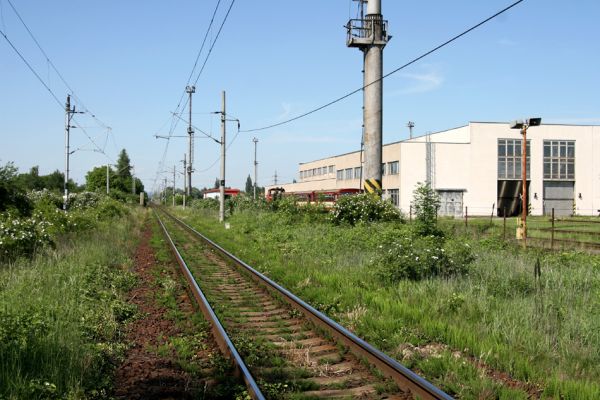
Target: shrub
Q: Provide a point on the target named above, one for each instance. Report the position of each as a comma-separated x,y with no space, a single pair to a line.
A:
243,203
205,204
21,236
45,196
84,200
364,208
425,205
416,257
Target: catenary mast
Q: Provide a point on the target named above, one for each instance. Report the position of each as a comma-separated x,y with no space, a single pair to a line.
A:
369,34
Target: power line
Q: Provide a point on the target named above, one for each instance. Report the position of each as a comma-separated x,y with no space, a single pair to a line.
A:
388,74
214,41
176,117
32,70
54,67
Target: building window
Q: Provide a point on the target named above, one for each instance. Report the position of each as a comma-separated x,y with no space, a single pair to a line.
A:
382,169
348,173
559,159
393,167
357,171
394,196
510,158
340,174
331,168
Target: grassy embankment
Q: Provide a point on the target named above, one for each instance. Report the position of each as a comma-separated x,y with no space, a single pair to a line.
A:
542,333
61,313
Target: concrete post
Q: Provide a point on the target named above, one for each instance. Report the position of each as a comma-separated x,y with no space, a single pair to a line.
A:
190,90
68,113
223,146
370,36
255,140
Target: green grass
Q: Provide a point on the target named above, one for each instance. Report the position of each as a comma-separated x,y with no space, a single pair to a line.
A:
542,332
61,314
568,230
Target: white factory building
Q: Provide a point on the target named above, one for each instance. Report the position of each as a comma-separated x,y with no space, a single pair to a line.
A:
478,167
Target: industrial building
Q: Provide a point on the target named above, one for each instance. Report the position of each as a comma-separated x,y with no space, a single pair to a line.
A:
477,169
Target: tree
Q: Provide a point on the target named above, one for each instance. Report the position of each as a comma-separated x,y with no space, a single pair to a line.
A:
124,166
249,186
217,183
95,180
11,195
426,203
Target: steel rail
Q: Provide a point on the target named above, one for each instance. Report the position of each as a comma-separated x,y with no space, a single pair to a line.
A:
221,337
402,376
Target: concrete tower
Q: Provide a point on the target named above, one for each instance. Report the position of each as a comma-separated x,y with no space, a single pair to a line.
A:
369,34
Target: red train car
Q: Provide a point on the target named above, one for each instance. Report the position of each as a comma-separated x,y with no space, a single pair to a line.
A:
326,197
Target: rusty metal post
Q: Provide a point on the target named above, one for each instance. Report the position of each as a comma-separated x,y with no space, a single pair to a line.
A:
552,234
504,223
524,191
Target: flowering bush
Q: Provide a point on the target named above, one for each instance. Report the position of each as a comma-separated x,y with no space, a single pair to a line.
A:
364,208
45,196
84,200
23,235
418,257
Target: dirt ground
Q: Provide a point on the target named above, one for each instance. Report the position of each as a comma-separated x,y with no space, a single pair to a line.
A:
144,374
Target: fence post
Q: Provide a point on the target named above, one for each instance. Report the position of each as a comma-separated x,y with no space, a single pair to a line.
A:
504,231
410,213
466,217
492,214
552,230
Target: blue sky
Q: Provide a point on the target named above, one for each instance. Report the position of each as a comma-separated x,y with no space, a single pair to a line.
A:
129,62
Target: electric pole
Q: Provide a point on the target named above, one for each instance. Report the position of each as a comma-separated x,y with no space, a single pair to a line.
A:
107,179
184,180
68,116
275,178
222,182
174,186
190,90
255,140
165,191
369,34
132,181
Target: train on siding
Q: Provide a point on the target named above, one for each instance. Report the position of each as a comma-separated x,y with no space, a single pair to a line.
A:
326,197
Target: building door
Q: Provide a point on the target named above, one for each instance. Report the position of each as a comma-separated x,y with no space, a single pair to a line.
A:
451,203
559,195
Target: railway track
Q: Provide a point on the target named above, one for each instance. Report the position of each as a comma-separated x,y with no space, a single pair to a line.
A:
281,346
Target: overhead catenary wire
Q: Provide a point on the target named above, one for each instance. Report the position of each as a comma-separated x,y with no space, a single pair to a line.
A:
100,150
51,64
414,60
32,70
175,117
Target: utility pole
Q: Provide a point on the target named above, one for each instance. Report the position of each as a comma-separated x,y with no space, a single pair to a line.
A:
107,179
275,178
165,191
184,180
222,182
255,140
68,116
132,181
410,125
174,185
369,34
190,90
